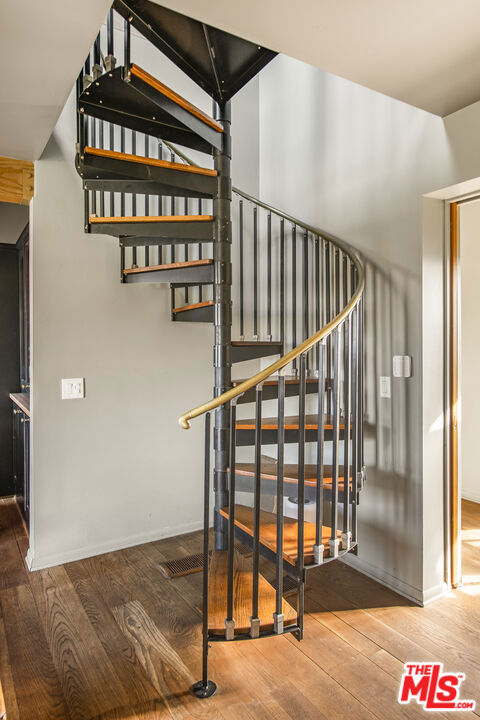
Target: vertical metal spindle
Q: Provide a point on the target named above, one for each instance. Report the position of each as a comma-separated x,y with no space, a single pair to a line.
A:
172,212
147,201
126,48
111,143
122,262
93,140
101,144
122,149
255,272
110,33
160,203
134,199
346,533
361,361
230,622
318,549
301,495
334,542
337,281
269,276
205,687
354,394
200,252
278,617
97,68
240,226
317,284
294,293
328,317
282,281
185,248
255,620
306,294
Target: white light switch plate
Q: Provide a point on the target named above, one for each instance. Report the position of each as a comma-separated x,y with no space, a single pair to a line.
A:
385,391
73,388
402,366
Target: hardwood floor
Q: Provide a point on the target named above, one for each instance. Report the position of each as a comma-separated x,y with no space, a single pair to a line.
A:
111,638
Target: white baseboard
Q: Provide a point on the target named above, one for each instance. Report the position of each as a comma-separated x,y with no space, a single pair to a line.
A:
473,497
420,597
40,562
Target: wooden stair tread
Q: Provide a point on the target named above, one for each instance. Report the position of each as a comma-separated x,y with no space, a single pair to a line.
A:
242,596
172,95
154,162
151,218
170,266
268,532
195,306
291,423
268,470
289,380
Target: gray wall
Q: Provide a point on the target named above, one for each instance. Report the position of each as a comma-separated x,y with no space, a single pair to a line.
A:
114,468
357,163
13,219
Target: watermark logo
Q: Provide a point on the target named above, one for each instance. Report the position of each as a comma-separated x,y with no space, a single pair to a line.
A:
431,687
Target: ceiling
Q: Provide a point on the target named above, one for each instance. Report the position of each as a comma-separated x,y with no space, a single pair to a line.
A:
44,43
424,52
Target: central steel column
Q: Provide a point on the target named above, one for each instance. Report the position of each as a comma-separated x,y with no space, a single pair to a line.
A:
222,290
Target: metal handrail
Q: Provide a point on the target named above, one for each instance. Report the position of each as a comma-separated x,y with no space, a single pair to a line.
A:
184,420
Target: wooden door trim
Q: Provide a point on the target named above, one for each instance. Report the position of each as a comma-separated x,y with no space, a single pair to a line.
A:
453,484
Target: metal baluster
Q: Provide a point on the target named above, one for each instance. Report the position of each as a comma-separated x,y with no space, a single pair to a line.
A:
230,621
185,208
160,203
282,281
328,317
318,549
122,262
172,212
122,149
97,68
346,534
361,360
301,496
126,47
305,270
200,252
134,199
205,687
93,139
269,276
317,285
110,60
255,272
278,616
101,144
240,225
354,391
255,620
294,293
333,542
111,143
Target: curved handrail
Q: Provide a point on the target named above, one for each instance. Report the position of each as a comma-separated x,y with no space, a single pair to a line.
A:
184,420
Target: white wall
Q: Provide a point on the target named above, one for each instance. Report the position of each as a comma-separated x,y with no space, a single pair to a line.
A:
469,222
357,163
115,468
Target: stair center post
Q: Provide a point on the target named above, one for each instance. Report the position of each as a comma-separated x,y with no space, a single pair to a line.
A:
222,290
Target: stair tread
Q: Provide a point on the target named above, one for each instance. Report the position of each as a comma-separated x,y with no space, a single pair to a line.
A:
242,596
151,218
289,380
291,423
155,162
268,470
195,306
172,95
244,517
170,266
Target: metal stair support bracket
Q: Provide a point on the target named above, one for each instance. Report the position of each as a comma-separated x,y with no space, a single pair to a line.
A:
222,293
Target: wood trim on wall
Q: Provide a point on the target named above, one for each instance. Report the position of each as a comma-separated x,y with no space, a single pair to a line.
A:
455,568
16,181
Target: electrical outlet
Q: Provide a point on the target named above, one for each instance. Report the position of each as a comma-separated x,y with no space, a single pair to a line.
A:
385,391
73,388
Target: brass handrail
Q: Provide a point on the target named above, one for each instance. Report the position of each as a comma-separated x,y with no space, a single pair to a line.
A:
184,420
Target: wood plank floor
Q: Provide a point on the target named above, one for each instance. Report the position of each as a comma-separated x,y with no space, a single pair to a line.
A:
111,638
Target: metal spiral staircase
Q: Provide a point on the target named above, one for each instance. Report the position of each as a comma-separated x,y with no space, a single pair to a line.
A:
294,430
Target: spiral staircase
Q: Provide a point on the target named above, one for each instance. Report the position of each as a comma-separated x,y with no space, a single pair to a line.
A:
291,435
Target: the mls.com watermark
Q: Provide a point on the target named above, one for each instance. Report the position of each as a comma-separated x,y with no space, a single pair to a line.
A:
431,687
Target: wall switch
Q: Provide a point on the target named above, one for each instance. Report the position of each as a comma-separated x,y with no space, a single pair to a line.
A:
385,387
73,388
402,366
